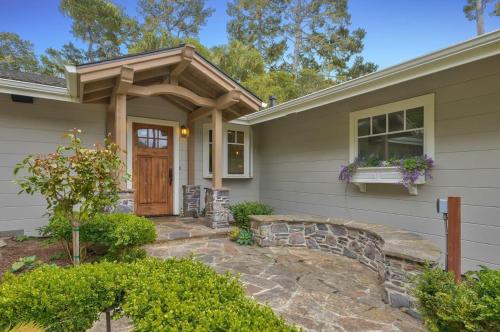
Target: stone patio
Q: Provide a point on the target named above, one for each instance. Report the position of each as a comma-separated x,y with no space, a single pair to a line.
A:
316,291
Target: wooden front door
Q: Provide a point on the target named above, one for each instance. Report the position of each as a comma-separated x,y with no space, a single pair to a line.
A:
152,169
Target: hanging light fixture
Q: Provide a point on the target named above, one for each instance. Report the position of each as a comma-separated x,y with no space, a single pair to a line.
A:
184,131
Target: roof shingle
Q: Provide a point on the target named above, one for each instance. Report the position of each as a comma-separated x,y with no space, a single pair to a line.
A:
17,75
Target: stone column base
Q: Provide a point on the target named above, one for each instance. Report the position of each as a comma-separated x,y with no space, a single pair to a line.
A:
217,207
191,200
125,202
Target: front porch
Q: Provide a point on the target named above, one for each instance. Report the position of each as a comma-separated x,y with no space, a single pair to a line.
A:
161,144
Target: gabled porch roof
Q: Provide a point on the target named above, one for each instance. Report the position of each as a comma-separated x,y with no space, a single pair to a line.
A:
178,74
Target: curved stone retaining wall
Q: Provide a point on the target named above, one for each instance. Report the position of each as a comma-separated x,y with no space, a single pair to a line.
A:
394,254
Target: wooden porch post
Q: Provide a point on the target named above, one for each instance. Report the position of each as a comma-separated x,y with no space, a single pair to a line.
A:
120,134
190,154
217,148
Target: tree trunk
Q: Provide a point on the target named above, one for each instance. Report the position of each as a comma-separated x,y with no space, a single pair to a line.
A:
297,37
479,17
76,242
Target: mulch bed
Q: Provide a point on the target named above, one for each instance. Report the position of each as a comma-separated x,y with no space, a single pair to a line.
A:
44,252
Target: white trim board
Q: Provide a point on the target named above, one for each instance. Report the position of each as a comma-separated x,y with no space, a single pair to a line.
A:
176,167
427,101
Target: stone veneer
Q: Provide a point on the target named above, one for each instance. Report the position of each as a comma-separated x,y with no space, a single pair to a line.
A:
191,200
125,202
217,212
396,255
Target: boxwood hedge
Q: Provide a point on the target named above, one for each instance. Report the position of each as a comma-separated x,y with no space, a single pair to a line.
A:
158,295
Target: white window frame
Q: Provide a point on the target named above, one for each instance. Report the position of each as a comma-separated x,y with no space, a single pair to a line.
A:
247,155
425,101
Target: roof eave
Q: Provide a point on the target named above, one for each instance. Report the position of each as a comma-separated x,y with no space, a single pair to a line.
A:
34,90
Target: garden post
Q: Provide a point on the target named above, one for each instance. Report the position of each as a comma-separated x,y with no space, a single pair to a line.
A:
454,237
76,243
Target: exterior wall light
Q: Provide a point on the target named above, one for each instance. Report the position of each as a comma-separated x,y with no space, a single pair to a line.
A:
184,131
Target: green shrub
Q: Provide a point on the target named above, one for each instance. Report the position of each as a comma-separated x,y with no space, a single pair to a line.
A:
234,234
472,305
117,233
243,211
59,299
245,238
171,295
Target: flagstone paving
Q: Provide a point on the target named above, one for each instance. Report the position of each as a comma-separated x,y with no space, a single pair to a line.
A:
318,291
175,229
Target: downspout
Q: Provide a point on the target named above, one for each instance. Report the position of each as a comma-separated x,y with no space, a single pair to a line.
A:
72,82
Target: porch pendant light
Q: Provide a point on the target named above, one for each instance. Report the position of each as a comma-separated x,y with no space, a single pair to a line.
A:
184,131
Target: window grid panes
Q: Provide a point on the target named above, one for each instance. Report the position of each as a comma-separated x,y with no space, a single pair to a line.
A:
235,152
393,135
152,138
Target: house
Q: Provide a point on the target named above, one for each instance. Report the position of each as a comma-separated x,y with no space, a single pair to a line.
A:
445,105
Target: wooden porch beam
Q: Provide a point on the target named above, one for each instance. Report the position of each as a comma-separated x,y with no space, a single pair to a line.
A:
170,89
228,100
199,113
216,148
187,58
125,80
148,74
98,86
95,96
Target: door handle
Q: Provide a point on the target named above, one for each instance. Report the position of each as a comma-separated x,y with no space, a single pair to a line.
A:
170,176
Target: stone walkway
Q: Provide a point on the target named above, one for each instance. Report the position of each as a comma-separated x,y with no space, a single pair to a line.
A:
176,229
318,291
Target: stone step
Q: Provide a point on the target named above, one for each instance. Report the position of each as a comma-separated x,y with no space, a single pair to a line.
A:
180,229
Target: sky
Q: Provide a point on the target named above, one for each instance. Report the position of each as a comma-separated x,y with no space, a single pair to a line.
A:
397,30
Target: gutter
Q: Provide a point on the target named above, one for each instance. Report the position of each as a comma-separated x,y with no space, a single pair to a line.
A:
478,48
34,90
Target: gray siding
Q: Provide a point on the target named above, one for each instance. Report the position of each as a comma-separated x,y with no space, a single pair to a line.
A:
300,157
39,127
31,129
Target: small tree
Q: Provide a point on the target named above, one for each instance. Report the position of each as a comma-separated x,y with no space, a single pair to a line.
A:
75,181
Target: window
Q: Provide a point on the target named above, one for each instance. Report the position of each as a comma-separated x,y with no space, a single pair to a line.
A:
397,130
152,138
236,151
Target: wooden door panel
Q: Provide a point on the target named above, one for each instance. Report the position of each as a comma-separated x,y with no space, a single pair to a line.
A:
152,151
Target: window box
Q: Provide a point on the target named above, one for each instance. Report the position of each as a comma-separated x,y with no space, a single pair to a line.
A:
395,131
388,175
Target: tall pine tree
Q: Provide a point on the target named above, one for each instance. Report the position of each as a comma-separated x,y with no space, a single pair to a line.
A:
258,23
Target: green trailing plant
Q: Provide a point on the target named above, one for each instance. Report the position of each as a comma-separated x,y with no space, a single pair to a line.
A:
472,305
76,181
157,295
245,238
57,256
117,235
242,212
24,264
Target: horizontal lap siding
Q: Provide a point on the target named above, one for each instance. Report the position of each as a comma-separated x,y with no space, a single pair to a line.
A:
300,156
31,129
